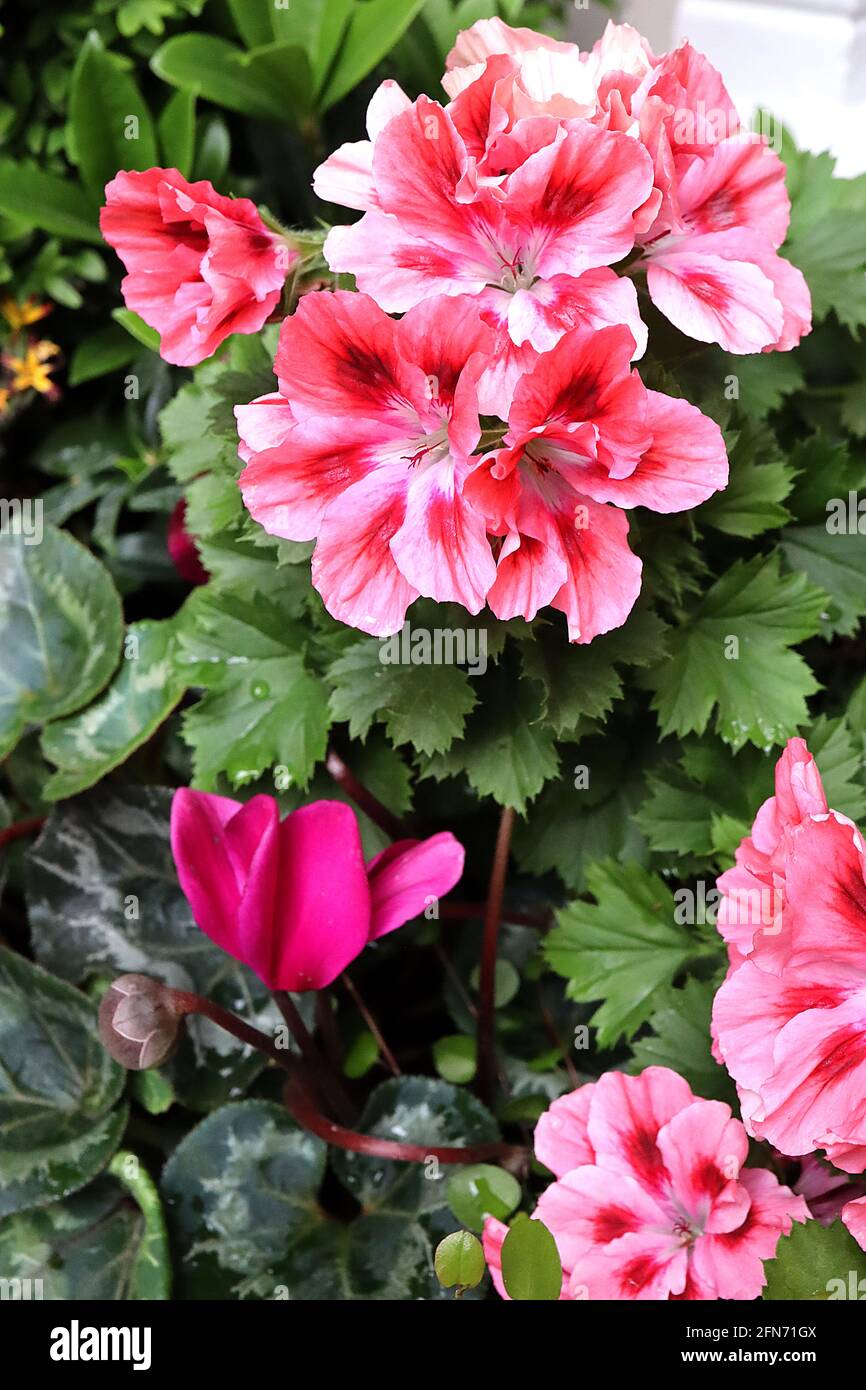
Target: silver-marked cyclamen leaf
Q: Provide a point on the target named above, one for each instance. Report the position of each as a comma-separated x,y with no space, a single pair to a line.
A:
60,630
145,690
59,1123
88,1246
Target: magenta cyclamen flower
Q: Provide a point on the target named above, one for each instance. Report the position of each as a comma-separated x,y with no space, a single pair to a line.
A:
294,900
651,1199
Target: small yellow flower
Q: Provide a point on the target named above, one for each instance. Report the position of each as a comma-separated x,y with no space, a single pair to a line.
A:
18,316
33,370
4,399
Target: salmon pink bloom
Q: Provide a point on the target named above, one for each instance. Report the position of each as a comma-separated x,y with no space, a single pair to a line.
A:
200,266
586,439
789,1022
651,1199
386,421
293,900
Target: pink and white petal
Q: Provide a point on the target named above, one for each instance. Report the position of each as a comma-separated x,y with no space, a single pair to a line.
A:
561,1139
442,547
410,875
625,1117
715,299
346,177
597,299
590,1207
646,1265
703,1148
478,112
490,36
732,1263
353,568
575,200
264,423
532,565
685,464
854,1217
604,576
322,901
794,295
388,100
338,356
703,113
825,893
753,1006
741,183
440,336
419,164
397,269
289,488
585,383
817,1092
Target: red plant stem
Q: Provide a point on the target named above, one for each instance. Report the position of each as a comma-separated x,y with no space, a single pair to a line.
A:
379,814
303,1109
489,945
20,829
367,1016
327,1079
185,1003
326,1025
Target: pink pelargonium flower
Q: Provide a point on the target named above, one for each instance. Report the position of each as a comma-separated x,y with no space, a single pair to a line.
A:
294,900
561,205
789,1022
201,266
586,439
754,889
652,1200
386,419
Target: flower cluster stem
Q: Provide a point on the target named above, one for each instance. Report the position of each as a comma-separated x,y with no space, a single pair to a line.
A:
490,943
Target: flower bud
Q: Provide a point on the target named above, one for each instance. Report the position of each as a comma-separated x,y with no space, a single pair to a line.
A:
138,1022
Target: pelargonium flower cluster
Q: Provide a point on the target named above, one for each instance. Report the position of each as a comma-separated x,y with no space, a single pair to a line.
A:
651,1199
789,1022
486,447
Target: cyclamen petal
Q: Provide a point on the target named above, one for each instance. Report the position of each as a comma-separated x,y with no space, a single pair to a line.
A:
293,900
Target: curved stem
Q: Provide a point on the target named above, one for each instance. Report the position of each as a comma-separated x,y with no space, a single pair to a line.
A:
369,804
385,1051
490,943
20,829
328,1081
309,1117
